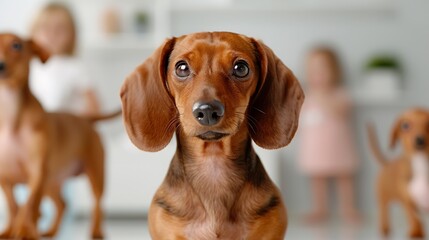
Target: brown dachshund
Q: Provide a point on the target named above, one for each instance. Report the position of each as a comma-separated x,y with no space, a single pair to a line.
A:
217,91
407,178
39,148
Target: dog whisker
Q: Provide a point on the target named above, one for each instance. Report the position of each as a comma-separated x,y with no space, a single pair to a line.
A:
251,127
252,123
250,119
171,123
259,110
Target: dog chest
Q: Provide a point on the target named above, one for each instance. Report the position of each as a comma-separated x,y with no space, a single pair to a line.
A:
419,183
12,156
213,173
209,229
216,184
214,180
9,103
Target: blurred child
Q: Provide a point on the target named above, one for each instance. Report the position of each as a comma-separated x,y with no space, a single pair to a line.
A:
62,83
327,149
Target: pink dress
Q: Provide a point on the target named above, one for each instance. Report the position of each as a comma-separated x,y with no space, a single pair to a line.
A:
327,145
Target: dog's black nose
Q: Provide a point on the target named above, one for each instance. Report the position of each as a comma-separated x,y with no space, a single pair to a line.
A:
2,66
420,142
208,113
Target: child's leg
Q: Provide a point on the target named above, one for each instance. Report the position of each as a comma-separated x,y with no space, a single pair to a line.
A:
347,198
319,191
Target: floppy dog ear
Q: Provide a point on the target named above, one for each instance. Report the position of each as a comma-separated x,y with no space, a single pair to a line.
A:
394,134
148,109
277,101
38,51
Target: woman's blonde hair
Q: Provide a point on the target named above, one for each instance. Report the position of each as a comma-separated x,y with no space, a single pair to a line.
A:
58,7
333,60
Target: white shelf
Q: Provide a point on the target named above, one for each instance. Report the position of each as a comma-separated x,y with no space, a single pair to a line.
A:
378,7
143,42
361,98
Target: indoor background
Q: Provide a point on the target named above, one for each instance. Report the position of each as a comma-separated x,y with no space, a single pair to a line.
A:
360,30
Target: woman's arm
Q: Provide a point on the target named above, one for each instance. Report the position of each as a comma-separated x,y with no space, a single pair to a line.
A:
92,104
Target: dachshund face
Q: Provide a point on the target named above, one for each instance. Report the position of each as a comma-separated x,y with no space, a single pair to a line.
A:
412,129
212,80
211,85
15,56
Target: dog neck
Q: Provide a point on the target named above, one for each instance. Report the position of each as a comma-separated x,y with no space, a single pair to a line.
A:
216,171
13,101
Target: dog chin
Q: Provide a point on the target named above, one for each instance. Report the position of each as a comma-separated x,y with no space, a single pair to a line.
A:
212,136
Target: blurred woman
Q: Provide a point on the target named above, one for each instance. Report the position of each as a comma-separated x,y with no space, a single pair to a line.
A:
61,84
327,149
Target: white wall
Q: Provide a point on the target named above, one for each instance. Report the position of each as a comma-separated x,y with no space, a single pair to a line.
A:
15,16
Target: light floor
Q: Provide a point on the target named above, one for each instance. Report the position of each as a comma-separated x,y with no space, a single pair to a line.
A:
334,230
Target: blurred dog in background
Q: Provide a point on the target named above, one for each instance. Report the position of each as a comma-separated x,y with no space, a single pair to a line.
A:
407,178
41,149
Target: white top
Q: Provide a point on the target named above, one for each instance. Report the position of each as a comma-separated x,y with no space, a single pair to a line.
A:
59,84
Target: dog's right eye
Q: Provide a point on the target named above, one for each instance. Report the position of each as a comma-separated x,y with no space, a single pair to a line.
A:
17,46
405,126
182,70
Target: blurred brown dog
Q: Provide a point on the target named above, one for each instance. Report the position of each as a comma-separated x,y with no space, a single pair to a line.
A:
39,148
217,91
407,178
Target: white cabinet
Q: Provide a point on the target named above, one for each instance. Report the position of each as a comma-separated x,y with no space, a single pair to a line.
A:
132,177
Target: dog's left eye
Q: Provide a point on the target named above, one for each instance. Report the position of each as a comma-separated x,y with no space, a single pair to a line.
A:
241,69
17,46
182,70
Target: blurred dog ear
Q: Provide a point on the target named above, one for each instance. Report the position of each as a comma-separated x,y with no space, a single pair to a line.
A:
394,134
277,102
148,108
38,51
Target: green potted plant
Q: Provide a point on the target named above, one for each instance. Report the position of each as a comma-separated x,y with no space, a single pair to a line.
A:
386,62
383,76
141,21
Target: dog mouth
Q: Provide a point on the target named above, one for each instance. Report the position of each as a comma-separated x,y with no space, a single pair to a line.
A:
212,136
